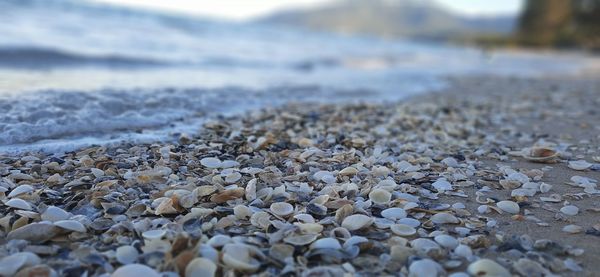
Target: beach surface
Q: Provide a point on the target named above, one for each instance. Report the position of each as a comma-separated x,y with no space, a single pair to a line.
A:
490,175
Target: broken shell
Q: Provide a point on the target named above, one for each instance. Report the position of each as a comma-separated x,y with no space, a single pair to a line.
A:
126,254
281,208
201,267
356,221
135,270
579,165
71,225
380,196
403,230
569,210
53,214
239,256
20,190
510,207
572,229
541,154
487,268
444,218
300,240
18,203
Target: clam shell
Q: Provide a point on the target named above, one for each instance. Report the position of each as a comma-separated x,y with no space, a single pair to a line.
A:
54,214
446,241
572,229
579,165
72,225
201,267
424,267
18,203
326,243
35,232
487,268
403,230
11,264
238,256
541,154
510,207
135,270
300,240
348,171
154,234
569,210
126,254
393,213
281,208
380,196
210,162
356,222
444,218
20,190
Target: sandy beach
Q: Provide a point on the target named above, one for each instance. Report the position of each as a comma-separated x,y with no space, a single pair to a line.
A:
477,179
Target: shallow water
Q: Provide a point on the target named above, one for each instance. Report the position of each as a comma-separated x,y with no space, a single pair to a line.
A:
74,73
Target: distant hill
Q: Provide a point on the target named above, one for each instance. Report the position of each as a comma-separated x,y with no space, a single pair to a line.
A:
392,18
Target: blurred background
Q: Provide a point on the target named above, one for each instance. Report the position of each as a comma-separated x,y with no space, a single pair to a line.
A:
77,72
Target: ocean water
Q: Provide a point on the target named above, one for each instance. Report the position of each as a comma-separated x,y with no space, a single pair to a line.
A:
76,73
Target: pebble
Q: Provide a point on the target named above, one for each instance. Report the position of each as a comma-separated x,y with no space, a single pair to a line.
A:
446,241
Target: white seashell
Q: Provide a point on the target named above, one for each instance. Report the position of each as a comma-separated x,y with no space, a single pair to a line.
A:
72,225
251,190
487,268
242,212
579,165
545,187
300,240
463,251
229,164
127,254
20,190
326,243
380,196
306,218
53,214
444,218
403,230
309,228
18,203
238,256
424,245
451,162
135,270
446,241
97,172
510,207
281,208
394,213
410,222
356,222
572,229
201,267
233,177
154,234
569,210
348,171
11,264
210,162
483,209
424,268
218,241
442,185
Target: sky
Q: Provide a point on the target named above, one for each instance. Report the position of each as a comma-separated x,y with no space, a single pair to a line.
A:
247,9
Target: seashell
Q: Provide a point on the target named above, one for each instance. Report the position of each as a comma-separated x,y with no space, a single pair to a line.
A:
541,154
403,230
326,243
309,228
239,257
569,210
463,251
166,207
510,207
18,203
250,191
233,177
348,171
71,225
424,245
305,218
552,198
424,267
305,142
281,251
11,264
446,241
210,162
442,185
154,234
300,240
579,165
545,187
35,232
201,267
242,212
22,189
356,222
281,208
380,196
227,195
343,212
260,219
410,222
135,270
451,162
487,268
316,209
393,213
54,214
572,229
126,254
444,218
218,241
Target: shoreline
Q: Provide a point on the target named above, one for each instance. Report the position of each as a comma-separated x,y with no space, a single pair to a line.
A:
430,155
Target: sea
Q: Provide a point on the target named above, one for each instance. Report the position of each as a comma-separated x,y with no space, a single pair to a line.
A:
78,73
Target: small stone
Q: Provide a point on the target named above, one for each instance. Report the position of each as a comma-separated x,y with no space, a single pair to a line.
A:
348,171
508,206
154,234
442,185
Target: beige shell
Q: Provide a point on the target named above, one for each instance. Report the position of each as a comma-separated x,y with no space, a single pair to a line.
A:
281,208
403,230
201,267
380,196
356,222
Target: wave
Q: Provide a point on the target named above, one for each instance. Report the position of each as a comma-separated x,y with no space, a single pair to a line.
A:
42,58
